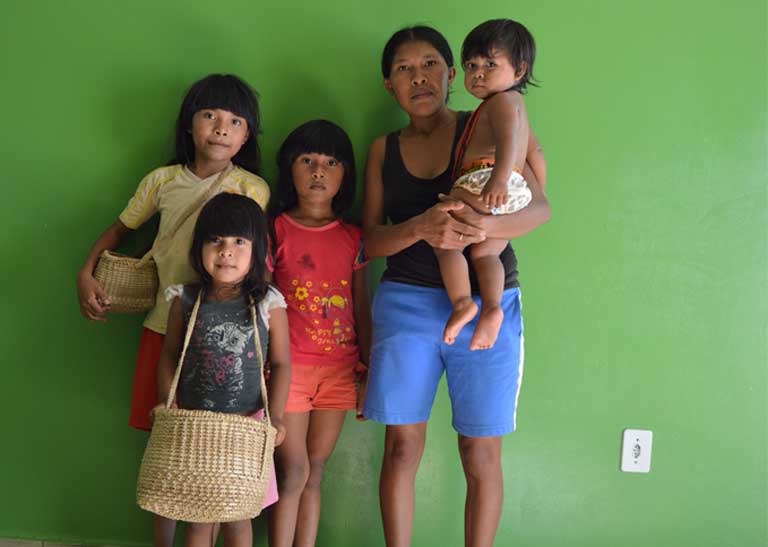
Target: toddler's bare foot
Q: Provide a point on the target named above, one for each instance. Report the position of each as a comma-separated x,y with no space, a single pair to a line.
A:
487,328
464,310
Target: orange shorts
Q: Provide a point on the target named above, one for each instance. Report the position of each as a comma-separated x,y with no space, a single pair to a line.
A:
330,387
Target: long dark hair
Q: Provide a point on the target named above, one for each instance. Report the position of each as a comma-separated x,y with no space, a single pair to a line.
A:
232,215
225,92
314,137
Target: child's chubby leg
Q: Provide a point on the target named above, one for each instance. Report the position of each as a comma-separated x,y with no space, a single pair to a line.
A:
455,273
490,279
292,466
324,429
237,534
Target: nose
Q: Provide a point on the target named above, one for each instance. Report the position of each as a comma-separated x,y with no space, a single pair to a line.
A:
418,78
220,129
317,172
225,250
478,75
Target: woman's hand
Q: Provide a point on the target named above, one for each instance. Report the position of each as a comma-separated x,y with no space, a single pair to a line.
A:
93,300
441,227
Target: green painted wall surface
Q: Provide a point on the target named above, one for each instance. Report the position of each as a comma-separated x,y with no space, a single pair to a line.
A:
645,296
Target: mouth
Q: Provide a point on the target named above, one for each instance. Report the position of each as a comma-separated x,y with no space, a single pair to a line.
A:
422,94
226,266
317,186
220,144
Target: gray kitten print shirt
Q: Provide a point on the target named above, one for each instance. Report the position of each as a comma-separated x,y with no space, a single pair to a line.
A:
221,370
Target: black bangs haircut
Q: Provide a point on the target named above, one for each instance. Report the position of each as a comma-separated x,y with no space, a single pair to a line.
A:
314,137
232,215
510,37
414,34
224,92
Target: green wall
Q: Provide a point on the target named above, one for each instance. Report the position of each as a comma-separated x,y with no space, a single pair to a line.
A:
645,296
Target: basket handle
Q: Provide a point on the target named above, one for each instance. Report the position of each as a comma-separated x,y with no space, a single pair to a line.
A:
188,336
197,205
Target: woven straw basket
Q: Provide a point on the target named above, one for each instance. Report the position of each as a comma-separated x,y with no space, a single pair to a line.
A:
130,283
202,466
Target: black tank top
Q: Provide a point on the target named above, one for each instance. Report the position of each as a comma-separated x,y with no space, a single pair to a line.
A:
406,196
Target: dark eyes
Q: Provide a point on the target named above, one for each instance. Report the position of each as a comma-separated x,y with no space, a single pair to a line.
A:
218,240
209,115
306,160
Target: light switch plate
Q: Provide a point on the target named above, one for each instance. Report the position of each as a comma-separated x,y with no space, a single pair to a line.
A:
636,451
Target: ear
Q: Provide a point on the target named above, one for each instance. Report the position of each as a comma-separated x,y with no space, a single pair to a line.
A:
388,87
247,136
520,72
451,75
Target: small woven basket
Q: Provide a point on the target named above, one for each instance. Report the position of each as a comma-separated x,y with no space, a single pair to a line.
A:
202,466
130,283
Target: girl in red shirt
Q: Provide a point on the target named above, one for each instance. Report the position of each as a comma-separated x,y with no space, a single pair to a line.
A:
319,266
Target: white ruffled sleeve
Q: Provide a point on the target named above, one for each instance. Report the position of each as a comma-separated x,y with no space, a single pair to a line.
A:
273,299
173,291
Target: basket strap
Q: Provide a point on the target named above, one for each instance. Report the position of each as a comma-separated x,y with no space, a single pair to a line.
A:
187,336
466,136
197,205
260,355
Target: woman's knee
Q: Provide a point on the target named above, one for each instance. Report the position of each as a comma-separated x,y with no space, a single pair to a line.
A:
403,451
481,457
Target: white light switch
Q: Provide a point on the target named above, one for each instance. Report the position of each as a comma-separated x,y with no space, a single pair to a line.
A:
636,451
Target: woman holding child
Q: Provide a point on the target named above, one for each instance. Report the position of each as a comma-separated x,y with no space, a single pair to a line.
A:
405,219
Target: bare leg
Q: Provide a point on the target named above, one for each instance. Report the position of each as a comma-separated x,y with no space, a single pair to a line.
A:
324,429
490,278
237,534
199,535
481,459
163,531
455,274
403,448
292,463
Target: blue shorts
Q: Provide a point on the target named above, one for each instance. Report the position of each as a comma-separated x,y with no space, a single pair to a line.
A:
408,357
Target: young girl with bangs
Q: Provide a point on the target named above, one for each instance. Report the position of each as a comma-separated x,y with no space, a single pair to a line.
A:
216,144
320,268
221,369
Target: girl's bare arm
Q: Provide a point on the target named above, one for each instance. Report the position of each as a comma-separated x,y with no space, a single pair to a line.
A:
362,310
172,345
280,369
508,122
90,293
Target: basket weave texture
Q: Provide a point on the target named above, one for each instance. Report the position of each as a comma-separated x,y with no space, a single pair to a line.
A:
130,283
202,466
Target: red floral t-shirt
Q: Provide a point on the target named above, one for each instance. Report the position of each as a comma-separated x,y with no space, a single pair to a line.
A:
313,269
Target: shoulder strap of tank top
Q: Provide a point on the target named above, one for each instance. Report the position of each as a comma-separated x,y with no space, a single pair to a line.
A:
466,136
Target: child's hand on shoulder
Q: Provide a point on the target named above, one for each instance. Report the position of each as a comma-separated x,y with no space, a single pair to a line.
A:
277,423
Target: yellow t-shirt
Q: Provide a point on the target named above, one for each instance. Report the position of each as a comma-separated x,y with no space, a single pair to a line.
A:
171,191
